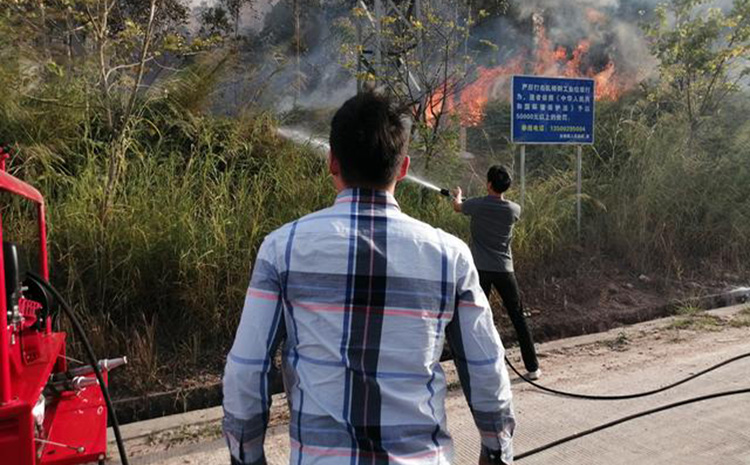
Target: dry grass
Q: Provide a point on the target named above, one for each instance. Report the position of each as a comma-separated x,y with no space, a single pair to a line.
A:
741,319
695,319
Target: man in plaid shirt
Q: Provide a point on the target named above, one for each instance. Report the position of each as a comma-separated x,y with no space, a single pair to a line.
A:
362,297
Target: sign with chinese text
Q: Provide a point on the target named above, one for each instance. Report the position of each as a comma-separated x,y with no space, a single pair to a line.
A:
548,110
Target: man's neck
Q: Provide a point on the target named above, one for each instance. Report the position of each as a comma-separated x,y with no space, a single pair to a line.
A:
391,188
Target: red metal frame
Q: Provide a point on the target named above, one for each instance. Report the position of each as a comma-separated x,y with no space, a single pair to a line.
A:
74,429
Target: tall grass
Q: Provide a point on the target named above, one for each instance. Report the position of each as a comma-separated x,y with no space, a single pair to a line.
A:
162,276
677,208
177,250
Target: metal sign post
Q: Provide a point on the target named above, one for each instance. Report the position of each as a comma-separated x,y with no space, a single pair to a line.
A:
523,174
550,110
579,182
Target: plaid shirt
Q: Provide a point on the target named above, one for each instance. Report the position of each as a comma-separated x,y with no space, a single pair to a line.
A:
362,297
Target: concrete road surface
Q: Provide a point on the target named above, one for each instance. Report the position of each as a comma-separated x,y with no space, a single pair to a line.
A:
633,359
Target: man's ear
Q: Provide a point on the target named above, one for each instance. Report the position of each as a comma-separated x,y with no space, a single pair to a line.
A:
333,164
404,169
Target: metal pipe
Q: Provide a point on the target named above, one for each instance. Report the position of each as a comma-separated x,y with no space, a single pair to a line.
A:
579,189
104,365
65,385
522,169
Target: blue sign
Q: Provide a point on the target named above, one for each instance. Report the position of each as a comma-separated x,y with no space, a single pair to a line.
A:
548,110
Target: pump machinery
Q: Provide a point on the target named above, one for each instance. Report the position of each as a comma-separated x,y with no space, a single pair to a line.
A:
52,409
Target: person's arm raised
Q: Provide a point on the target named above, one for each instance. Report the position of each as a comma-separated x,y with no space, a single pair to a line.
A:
457,199
478,355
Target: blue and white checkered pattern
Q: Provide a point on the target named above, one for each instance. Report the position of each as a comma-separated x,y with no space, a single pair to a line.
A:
363,296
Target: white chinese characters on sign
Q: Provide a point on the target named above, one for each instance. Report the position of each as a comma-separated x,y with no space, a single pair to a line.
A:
550,110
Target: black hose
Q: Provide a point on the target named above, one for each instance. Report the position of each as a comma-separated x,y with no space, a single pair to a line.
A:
626,396
78,328
628,418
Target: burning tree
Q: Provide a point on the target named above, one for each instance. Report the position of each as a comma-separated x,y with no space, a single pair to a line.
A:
427,54
418,50
543,58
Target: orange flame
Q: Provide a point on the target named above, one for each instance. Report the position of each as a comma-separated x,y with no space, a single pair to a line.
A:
548,60
475,96
438,104
606,87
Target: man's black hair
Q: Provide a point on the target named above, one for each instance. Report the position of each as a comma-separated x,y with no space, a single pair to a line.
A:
369,136
499,177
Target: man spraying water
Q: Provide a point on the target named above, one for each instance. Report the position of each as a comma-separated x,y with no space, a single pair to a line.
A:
492,220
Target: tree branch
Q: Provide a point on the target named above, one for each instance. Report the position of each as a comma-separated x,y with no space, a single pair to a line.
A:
142,63
130,65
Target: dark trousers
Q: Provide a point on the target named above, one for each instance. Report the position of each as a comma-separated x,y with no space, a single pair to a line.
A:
507,287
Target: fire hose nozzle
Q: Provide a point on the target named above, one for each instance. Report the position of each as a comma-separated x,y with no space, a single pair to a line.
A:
108,364
112,363
445,192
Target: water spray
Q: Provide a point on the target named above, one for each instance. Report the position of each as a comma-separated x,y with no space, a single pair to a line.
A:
428,185
321,146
